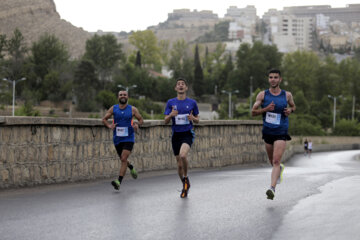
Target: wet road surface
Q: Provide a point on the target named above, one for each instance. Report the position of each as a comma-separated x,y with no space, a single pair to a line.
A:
317,193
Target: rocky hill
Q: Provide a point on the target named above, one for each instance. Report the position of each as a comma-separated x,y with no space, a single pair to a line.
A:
36,17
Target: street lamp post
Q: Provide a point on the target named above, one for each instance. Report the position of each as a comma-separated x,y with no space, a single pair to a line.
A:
230,93
334,115
127,88
14,82
353,109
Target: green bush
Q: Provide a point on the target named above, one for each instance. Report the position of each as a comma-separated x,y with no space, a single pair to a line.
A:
27,110
146,105
302,124
347,128
106,98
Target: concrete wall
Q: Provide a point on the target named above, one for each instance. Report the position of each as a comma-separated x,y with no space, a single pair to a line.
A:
53,150
37,151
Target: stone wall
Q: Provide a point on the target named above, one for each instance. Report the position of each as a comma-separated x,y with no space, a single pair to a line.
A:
37,151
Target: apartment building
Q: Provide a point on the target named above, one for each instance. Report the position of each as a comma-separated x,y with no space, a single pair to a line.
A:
242,25
288,32
348,14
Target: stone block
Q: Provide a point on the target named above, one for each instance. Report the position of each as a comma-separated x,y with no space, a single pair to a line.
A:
44,172
50,153
74,172
16,176
57,170
4,158
51,171
11,156
26,174
67,154
4,175
32,154
71,135
7,135
36,174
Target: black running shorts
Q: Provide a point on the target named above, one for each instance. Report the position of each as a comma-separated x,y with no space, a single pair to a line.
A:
178,138
270,139
124,145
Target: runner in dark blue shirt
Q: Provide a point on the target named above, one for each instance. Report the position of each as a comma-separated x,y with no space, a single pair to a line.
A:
275,111
183,111
124,130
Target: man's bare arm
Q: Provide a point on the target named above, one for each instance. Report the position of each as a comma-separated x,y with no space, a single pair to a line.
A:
290,100
108,115
138,116
255,109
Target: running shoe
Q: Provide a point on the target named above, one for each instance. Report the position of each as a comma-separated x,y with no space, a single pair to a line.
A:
186,187
282,167
116,184
270,194
133,173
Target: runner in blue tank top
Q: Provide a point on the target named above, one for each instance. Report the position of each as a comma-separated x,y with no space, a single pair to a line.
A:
183,112
123,133
275,111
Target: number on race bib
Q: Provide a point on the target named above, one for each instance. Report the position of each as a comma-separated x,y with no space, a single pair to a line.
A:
122,131
273,118
181,119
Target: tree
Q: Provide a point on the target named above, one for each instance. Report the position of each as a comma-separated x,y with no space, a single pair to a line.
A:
255,62
47,53
85,84
105,54
300,100
49,60
164,46
106,98
300,71
2,45
198,84
350,72
146,43
181,65
16,50
138,59
328,81
322,110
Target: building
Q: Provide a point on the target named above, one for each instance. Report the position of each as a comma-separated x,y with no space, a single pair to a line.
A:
348,14
290,33
249,13
242,26
187,18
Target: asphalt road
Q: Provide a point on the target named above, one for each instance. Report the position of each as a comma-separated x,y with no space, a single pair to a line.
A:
316,195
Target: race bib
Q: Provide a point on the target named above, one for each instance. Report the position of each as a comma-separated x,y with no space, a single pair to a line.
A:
182,119
122,132
273,118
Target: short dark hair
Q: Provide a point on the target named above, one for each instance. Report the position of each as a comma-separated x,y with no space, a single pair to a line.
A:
274,70
181,79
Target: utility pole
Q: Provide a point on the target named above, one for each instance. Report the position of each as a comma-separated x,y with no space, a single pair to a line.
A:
251,90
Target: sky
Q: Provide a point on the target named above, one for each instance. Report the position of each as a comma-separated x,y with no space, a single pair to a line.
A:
120,15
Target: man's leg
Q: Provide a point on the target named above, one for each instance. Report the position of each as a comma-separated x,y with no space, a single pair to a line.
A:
279,149
184,150
180,167
124,162
270,152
